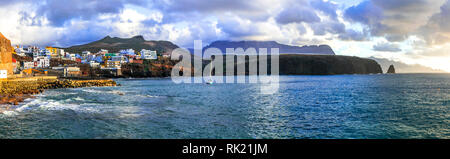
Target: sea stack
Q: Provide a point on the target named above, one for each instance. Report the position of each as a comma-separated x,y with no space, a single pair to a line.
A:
6,54
391,70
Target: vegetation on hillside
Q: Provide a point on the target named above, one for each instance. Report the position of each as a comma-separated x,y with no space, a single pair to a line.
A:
116,44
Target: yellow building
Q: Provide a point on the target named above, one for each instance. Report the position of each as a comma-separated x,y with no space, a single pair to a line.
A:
53,51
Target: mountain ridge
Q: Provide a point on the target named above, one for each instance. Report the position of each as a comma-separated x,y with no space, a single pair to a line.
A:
283,48
115,44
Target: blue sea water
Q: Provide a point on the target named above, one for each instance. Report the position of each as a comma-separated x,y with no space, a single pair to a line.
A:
341,106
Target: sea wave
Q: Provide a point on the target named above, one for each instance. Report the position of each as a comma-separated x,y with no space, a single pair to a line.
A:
9,113
53,105
105,91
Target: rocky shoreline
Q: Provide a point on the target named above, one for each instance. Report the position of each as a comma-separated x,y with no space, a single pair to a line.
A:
14,92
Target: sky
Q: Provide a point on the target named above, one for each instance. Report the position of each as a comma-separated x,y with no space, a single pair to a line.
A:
409,31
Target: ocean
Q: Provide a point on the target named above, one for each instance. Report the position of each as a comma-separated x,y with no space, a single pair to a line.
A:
399,106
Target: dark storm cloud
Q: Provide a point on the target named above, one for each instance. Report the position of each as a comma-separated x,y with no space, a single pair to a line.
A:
58,12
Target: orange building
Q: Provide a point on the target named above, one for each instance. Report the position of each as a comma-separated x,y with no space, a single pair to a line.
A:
6,55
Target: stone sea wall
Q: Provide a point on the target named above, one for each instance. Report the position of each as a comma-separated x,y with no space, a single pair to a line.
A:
14,92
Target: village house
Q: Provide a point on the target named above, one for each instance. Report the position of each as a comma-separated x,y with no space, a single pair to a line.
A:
3,74
41,62
20,51
122,59
27,65
94,64
15,65
72,72
53,51
127,52
110,64
148,54
85,54
103,51
61,53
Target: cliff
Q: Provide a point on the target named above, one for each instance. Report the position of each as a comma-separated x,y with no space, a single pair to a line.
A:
289,65
283,49
6,54
326,65
320,65
391,70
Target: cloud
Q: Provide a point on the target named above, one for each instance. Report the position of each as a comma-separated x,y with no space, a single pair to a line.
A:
437,30
353,35
333,27
58,12
238,27
297,15
393,19
326,7
195,10
387,47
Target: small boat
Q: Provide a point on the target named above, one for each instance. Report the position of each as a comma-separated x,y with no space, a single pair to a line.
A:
210,82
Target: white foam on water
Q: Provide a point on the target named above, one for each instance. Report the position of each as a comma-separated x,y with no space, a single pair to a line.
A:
52,105
105,91
9,113
149,96
74,99
55,105
92,91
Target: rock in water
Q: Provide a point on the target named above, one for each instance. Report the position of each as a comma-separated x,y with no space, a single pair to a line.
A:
391,69
6,54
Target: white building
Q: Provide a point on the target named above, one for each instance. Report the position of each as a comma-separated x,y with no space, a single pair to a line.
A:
85,54
28,65
113,64
148,54
73,57
127,52
3,74
44,52
103,51
41,62
122,59
72,72
61,52
94,64
20,51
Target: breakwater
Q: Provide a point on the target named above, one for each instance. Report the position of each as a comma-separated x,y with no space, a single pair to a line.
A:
16,91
